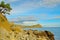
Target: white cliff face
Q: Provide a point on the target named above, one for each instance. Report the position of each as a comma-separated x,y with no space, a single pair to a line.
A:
26,35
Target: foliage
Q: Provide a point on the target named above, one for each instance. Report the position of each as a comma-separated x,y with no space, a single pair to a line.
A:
5,7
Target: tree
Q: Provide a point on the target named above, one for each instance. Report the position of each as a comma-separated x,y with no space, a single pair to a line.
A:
5,7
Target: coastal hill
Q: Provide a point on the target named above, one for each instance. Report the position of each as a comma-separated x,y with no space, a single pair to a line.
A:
24,26
33,26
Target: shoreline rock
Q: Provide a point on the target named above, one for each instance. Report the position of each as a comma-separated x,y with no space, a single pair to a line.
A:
26,35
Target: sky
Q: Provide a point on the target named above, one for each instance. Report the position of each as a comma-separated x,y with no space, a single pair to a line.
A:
31,12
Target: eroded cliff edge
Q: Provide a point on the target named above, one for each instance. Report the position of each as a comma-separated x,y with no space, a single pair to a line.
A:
26,35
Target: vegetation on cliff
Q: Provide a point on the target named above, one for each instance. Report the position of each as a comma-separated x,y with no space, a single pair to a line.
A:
5,7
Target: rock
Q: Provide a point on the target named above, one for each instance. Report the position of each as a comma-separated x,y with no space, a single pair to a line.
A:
26,35
50,35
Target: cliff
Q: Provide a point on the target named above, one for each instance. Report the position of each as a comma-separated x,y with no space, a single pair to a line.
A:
14,32
26,35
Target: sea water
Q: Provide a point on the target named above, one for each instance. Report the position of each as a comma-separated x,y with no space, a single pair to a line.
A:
54,30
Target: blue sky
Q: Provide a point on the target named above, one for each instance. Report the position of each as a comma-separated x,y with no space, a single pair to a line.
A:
30,12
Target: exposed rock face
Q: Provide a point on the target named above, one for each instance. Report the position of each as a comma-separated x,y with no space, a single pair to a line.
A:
50,35
42,34
26,35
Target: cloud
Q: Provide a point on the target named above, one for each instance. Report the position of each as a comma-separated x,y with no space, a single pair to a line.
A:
49,3
44,16
53,24
57,17
33,4
32,20
9,1
24,18
54,17
29,23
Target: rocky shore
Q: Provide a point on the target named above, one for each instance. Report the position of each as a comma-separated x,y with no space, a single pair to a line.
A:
26,35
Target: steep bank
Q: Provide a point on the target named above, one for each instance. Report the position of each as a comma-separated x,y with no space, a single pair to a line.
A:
26,35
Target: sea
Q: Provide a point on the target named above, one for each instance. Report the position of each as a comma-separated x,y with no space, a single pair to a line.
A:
54,30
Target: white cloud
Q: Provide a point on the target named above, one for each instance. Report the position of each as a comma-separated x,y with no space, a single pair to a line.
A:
32,20
25,18
9,1
49,3
29,5
53,24
54,17
29,23
57,17
44,16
